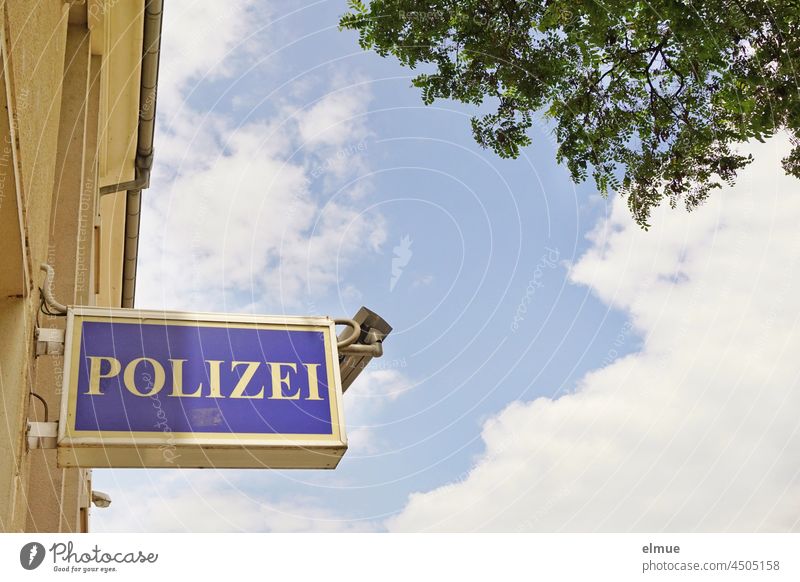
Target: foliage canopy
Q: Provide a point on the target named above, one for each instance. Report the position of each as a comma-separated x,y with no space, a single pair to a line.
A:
650,98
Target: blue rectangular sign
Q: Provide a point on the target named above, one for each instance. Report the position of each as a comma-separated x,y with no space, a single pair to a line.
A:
202,381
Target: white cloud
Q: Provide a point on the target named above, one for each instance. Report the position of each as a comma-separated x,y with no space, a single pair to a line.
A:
375,386
336,119
699,430
193,501
422,281
233,217
371,394
201,44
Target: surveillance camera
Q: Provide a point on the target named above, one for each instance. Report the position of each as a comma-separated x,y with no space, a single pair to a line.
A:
356,355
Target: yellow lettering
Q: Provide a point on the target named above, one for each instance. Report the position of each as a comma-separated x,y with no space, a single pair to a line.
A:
95,372
213,378
313,382
177,381
278,382
155,385
247,375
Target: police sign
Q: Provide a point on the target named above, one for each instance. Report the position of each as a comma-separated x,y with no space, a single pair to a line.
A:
160,389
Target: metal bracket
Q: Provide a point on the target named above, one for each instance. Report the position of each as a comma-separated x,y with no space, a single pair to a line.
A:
49,341
42,435
362,340
372,346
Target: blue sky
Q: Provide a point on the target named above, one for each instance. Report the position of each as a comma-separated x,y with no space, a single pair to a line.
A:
539,355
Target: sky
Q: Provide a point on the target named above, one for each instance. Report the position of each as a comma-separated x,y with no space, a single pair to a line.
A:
552,366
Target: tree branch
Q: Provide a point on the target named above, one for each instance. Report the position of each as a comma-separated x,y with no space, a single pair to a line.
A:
653,90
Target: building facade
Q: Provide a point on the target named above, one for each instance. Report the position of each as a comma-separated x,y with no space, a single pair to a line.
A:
78,93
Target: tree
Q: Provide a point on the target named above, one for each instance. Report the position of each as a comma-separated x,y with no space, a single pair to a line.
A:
651,98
